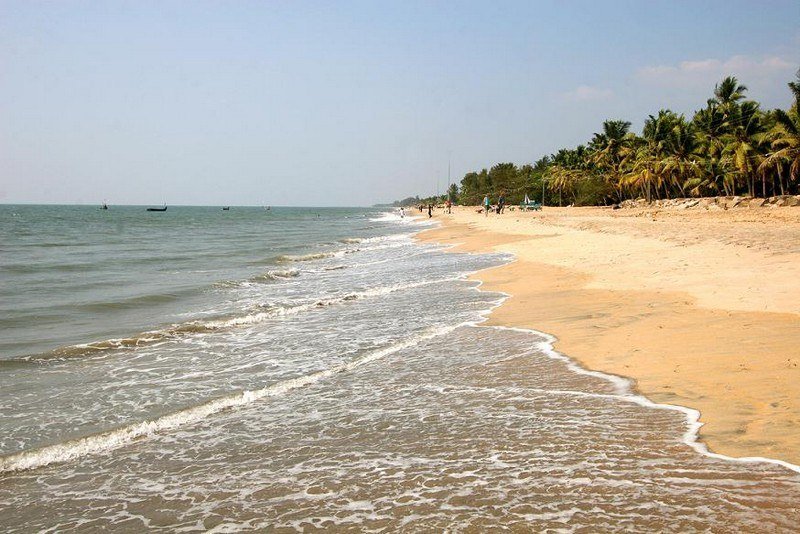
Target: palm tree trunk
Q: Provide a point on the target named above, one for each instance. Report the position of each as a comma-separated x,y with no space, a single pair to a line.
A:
726,184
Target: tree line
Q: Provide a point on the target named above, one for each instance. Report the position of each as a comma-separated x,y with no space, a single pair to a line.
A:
729,147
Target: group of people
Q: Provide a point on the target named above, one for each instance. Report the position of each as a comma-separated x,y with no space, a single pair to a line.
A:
487,206
499,208
448,206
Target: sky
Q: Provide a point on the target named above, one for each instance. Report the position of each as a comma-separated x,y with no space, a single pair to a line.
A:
347,103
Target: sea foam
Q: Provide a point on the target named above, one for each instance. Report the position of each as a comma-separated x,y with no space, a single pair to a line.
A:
105,441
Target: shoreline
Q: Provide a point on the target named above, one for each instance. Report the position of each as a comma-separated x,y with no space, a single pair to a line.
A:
723,358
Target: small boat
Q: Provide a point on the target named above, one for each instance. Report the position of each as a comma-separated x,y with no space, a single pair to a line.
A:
158,209
104,206
226,208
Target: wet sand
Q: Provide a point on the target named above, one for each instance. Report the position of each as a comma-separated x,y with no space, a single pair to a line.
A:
700,308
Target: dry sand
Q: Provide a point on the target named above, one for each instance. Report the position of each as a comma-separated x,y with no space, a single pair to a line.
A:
700,308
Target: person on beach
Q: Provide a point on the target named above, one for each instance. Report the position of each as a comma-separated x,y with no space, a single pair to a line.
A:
486,206
448,205
501,203
430,210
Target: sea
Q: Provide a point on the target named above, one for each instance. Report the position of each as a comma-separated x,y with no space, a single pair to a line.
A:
318,369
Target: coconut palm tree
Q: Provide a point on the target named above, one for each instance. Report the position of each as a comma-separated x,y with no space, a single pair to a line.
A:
747,144
785,144
647,169
611,150
562,180
644,172
565,172
681,162
794,87
728,93
710,129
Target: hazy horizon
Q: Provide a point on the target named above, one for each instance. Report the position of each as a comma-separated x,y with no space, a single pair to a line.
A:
346,104
179,205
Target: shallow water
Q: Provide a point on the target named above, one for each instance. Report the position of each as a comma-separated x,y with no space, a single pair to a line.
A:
347,384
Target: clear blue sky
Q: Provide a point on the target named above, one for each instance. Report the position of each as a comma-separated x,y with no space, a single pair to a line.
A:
347,103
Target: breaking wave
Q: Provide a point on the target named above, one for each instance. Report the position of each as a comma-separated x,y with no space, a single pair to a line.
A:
270,276
119,437
305,257
265,312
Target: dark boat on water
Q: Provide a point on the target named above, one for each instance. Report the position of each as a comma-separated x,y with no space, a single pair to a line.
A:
227,208
104,206
158,209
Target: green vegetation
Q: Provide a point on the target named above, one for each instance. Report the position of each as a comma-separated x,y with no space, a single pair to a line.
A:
729,147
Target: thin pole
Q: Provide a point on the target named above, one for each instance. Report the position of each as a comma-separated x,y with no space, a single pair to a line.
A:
448,177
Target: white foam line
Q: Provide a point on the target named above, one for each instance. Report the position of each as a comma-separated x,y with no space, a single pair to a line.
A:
623,385
254,318
113,439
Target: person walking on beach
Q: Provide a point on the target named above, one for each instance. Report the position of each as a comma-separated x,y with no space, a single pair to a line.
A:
501,203
448,205
486,206
430,210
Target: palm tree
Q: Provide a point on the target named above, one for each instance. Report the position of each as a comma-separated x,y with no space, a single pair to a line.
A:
565,172
710,129
728,93
680,164
784,140
561,180
785,143
645,172
747,144
610,150
647,169
794,87
729,135
540,168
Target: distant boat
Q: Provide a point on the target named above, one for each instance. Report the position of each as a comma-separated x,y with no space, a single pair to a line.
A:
267,208
158,209
226,208
104,206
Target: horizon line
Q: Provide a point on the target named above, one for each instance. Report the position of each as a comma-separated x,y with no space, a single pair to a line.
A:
189,205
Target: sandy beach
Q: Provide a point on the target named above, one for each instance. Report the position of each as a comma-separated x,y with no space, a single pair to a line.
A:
699,308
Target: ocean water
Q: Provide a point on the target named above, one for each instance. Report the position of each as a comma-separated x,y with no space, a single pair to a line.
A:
317,369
